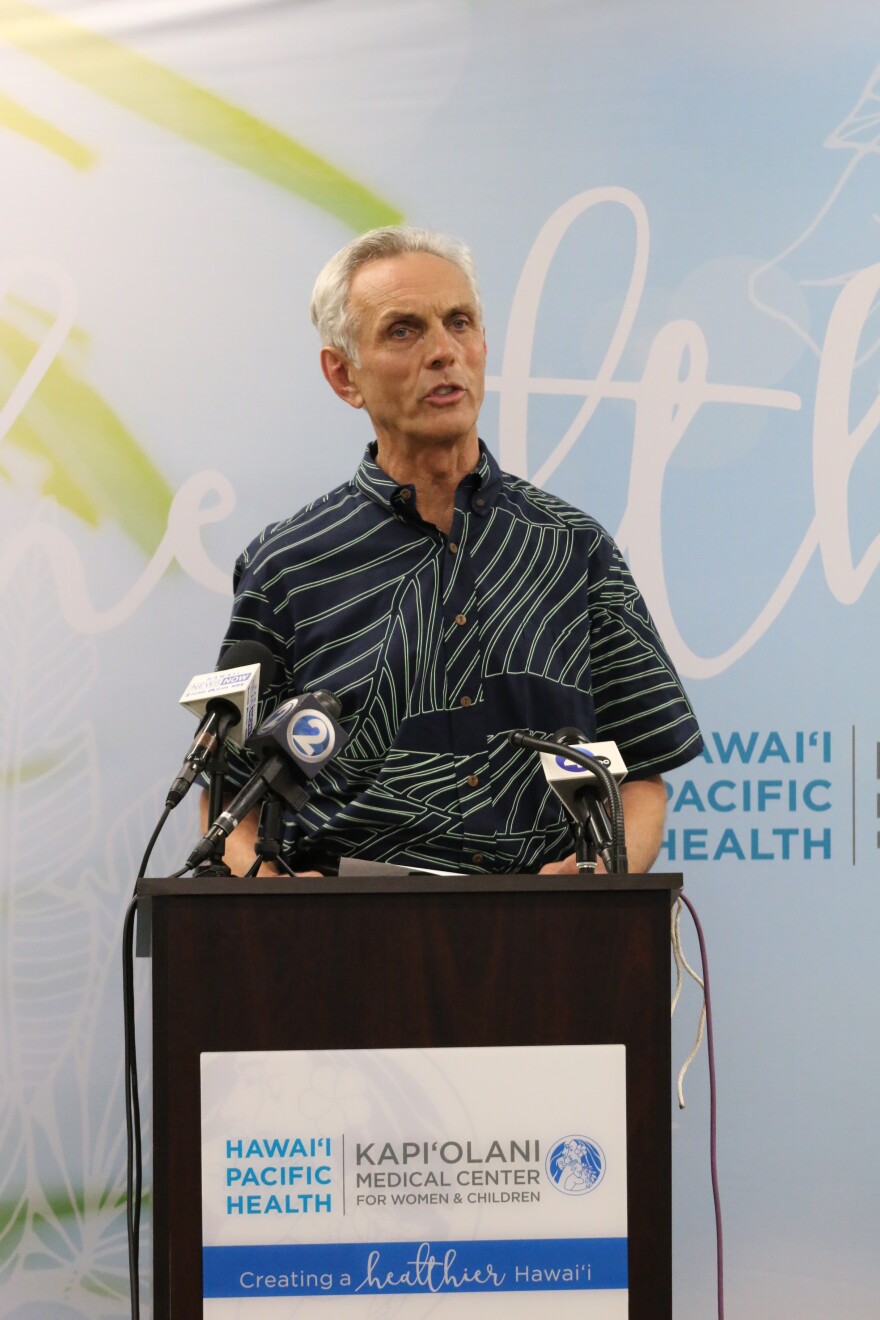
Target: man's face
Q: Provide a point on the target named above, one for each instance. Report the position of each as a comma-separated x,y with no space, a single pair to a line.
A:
421,348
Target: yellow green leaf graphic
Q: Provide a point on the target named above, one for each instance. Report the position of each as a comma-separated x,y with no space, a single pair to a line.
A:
190,112
28,772
26,124
93,466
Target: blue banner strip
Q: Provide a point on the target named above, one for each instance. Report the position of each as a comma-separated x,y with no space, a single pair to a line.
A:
363,1269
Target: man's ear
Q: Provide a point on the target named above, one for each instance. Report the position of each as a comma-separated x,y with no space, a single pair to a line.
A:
336,369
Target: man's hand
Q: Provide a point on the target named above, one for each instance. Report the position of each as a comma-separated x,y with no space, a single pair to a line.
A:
568,866
644,811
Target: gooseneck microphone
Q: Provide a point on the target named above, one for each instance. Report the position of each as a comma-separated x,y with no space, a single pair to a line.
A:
584,776
227,702
294,743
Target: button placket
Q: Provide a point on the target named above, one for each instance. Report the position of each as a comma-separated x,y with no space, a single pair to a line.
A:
464,670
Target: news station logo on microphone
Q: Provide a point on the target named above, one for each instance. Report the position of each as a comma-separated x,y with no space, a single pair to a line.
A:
575,1164
304,728
572,767
568,777
311,736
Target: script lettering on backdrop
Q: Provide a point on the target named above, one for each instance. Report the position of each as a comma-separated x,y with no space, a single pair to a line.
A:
204,498
672,389
190,511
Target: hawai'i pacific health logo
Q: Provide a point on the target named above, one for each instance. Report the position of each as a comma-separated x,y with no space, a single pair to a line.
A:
311,736
575,1164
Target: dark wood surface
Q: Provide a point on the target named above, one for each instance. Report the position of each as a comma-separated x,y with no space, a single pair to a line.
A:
348,965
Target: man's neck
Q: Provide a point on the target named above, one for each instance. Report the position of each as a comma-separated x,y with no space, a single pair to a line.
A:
435,470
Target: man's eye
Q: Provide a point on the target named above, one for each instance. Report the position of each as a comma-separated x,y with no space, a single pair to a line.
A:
400,331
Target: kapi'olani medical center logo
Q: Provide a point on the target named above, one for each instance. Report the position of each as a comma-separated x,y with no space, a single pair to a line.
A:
575,1165
286,1176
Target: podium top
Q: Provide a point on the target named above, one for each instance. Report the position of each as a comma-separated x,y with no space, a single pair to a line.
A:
229,886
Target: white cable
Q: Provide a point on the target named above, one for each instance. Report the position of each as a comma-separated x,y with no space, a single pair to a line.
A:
681,962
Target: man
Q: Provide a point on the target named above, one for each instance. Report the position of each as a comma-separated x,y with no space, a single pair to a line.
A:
446,602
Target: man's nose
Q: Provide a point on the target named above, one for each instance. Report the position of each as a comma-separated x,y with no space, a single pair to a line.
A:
440,345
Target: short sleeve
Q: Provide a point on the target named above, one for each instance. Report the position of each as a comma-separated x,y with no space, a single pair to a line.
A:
256,610
639,701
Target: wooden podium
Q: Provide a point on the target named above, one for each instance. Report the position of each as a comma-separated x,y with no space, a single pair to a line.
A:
396,962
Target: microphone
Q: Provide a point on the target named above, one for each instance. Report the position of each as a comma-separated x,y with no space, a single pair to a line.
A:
227,703
582,774
571,781
295,742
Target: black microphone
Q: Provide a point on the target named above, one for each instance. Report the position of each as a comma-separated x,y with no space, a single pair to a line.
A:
582,776
582,799
295,742
227,702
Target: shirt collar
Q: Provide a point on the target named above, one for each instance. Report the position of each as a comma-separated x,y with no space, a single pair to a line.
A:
373,482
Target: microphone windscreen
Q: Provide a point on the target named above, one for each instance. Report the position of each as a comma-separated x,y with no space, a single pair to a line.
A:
329,701
239,654
570,737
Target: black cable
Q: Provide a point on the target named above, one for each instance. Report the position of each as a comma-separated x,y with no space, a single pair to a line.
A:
713,1109
134,1173
153,837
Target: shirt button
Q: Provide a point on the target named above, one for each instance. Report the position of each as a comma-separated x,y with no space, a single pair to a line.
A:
479,501
405,493
466,701
473,780
461,620
477,857
453,548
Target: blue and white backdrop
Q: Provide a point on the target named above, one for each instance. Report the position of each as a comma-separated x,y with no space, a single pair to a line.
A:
676,214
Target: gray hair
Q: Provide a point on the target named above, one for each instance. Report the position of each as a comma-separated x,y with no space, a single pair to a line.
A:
329,310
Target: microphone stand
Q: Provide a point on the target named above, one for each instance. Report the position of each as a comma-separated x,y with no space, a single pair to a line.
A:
584,847
214,864
594,834
268,845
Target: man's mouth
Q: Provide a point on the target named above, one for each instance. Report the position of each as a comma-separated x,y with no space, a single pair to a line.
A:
444,392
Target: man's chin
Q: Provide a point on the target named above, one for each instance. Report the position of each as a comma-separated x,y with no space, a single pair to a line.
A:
431,433
448,430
